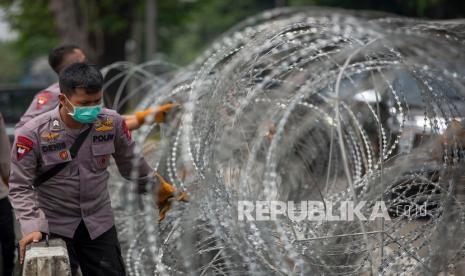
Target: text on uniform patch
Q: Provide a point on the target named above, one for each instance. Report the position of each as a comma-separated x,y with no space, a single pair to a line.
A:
102,138
54,147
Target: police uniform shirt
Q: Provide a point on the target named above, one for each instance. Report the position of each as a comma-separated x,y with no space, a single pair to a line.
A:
79,191
44,101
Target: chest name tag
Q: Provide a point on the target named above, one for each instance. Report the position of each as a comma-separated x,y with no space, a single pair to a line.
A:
54,147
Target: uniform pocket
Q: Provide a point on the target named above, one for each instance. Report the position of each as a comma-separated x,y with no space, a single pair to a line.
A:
101,155
51,159
54,158
54,153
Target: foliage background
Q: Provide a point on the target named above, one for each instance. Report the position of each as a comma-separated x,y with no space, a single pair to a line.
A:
112,30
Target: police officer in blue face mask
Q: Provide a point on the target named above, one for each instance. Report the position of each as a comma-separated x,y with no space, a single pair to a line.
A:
59,176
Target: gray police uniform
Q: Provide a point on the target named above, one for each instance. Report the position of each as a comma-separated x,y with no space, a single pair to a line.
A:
43,101
79,192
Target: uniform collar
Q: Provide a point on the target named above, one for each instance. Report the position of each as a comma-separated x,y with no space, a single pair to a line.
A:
54,88
56,124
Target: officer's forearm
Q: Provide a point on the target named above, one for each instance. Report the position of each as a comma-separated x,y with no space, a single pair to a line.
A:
146,184
146,181
23,199
30,216
131,122
29,226
144,176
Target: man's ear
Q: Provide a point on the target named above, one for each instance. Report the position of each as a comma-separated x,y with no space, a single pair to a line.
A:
62,99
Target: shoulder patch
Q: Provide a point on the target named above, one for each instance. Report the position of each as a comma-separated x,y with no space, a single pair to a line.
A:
23,146
126,130
43,99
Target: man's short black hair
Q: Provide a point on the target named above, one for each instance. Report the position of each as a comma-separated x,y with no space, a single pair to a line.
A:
80,75
57,56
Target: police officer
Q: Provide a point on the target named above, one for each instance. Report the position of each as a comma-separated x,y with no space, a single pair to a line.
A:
7,235
74,203
47,99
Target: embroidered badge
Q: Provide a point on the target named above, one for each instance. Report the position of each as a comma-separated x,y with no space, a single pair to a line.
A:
126,130
23,146
56,125
49,136
63,154
105,125
43,98
103,161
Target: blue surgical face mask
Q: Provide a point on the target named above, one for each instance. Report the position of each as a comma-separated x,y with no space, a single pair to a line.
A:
85,114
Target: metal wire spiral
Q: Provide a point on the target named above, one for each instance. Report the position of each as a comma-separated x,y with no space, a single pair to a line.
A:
293,105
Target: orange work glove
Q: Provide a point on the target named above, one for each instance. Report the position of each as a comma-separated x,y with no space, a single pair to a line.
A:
140,115
159,113
165,194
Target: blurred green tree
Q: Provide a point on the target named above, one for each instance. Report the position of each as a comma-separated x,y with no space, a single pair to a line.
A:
10,65
100,27
103,27
34,23
109,29
199,23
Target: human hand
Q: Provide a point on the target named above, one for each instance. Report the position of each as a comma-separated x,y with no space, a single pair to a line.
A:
32,237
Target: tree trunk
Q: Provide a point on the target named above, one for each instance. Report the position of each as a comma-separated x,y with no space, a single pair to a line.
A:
73,18
66,14
150,21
